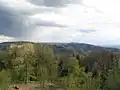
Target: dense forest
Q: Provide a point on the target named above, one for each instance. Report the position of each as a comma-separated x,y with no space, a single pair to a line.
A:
34,66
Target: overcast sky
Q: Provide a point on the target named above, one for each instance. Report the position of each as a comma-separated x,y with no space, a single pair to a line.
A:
85,21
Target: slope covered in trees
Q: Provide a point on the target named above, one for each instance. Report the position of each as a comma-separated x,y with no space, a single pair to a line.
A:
42,67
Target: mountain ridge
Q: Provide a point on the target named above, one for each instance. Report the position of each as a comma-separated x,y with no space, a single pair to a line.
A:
66,47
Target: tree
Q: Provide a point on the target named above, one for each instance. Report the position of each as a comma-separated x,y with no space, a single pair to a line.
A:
20,57
4,80
46,64
75,79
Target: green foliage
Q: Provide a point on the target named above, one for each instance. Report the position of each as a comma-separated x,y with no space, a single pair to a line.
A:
38,63
113,80
3,56
4,80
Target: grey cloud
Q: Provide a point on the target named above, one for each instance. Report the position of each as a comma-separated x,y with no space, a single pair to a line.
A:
13,23
28,12
61,3
51,3
87,31
49,24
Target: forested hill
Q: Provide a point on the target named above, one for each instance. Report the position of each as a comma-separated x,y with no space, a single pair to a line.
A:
59,66
66,48
81,48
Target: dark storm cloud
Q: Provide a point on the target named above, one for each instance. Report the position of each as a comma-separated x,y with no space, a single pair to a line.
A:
16,24
11,23
51,3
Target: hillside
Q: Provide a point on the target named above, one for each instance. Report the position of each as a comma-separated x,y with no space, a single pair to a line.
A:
57,66
115,46
66,48
79,47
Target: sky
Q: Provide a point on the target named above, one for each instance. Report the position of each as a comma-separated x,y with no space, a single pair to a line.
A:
84,21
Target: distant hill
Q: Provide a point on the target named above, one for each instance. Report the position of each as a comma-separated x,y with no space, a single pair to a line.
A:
114,46
66,48
82,47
